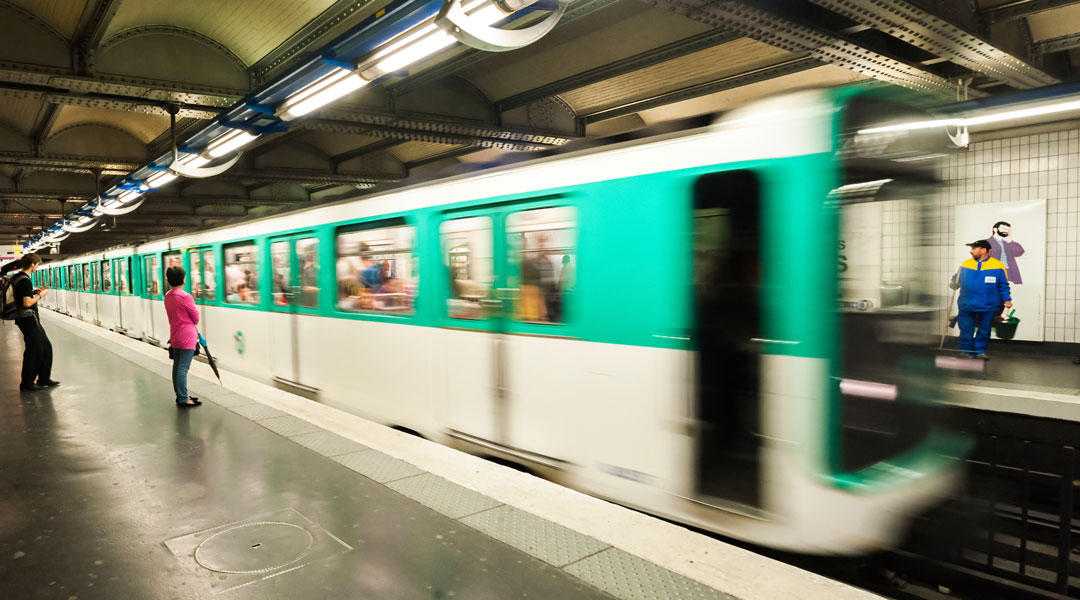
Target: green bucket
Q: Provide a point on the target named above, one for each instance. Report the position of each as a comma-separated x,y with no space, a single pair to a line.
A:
1006,328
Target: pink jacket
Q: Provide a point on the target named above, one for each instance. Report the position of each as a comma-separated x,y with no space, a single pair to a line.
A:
183,317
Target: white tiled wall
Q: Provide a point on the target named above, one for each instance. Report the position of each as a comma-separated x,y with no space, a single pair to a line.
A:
1031,167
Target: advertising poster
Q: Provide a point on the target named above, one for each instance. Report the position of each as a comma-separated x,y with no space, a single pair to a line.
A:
1017,235
860,257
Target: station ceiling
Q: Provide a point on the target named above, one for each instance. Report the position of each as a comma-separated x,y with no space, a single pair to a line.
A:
84,86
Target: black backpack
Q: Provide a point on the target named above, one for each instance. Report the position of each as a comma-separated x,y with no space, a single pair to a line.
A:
11,309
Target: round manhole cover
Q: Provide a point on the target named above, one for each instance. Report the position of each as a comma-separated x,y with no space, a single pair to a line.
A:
254,548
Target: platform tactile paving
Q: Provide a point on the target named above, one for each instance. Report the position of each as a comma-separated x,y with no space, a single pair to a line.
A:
229,399
438,494
377,466
629,577
328,444
257,411
288,426
550,542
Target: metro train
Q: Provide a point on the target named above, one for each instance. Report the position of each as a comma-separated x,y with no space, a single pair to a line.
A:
683,324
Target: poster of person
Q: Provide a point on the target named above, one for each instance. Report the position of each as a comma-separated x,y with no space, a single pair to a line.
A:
1016,232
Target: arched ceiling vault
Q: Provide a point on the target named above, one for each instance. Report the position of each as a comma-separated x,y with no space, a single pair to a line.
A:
84,86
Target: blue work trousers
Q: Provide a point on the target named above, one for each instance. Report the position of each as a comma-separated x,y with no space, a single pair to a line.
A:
974,331
180,365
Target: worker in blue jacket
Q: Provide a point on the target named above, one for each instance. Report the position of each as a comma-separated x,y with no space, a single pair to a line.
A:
984,288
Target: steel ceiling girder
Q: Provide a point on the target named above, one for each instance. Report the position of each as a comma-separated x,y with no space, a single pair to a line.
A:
133,88
650,58
827,47
913,25
385,132
1023,8
84,163
1058,44
292,49
444,126
305,177
711,87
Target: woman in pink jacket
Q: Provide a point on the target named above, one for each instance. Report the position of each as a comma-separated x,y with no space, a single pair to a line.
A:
183,336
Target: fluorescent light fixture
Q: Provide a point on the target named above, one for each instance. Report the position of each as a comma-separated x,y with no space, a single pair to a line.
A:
912,126
324,91
865,185
164,177
982,119
1021,113
230,141
129,195
423,41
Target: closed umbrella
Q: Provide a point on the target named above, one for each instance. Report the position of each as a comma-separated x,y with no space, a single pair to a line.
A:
210,358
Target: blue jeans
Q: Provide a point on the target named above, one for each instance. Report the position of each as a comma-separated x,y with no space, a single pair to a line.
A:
180,365
974,331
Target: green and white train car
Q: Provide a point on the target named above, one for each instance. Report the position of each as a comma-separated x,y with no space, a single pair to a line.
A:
654,322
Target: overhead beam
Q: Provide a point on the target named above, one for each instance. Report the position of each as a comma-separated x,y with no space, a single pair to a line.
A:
339,15
643,60
57,96
828,47
94,22
1024,8
1058,44
76,164
379,146
909,23
131,89
469,57
446,125
703,89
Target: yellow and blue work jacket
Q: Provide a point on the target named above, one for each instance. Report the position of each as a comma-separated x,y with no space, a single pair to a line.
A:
984,286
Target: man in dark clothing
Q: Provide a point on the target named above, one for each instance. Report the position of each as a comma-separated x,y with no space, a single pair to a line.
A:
37,358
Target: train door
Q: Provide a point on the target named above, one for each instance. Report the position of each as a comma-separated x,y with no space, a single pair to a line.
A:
151,269
294,261
727,333
543,389
160,317
125,301
475,401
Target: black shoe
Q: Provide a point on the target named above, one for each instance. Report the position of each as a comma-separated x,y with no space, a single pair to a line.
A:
983,356
49,383
967,355
192,402
31,388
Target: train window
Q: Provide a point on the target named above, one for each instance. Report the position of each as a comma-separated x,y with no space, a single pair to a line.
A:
106,276
281,263
468,253
209,291
86,279
70,277
195,275
307,252
153,277
123,273
241,275
377,270
543,262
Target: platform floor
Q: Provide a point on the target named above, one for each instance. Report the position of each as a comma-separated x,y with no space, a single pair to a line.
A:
107,490
1020,380
100,473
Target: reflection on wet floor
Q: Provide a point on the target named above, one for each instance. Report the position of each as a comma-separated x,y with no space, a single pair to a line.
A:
97,474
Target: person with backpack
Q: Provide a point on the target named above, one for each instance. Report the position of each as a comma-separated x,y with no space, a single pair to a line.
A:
38,355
